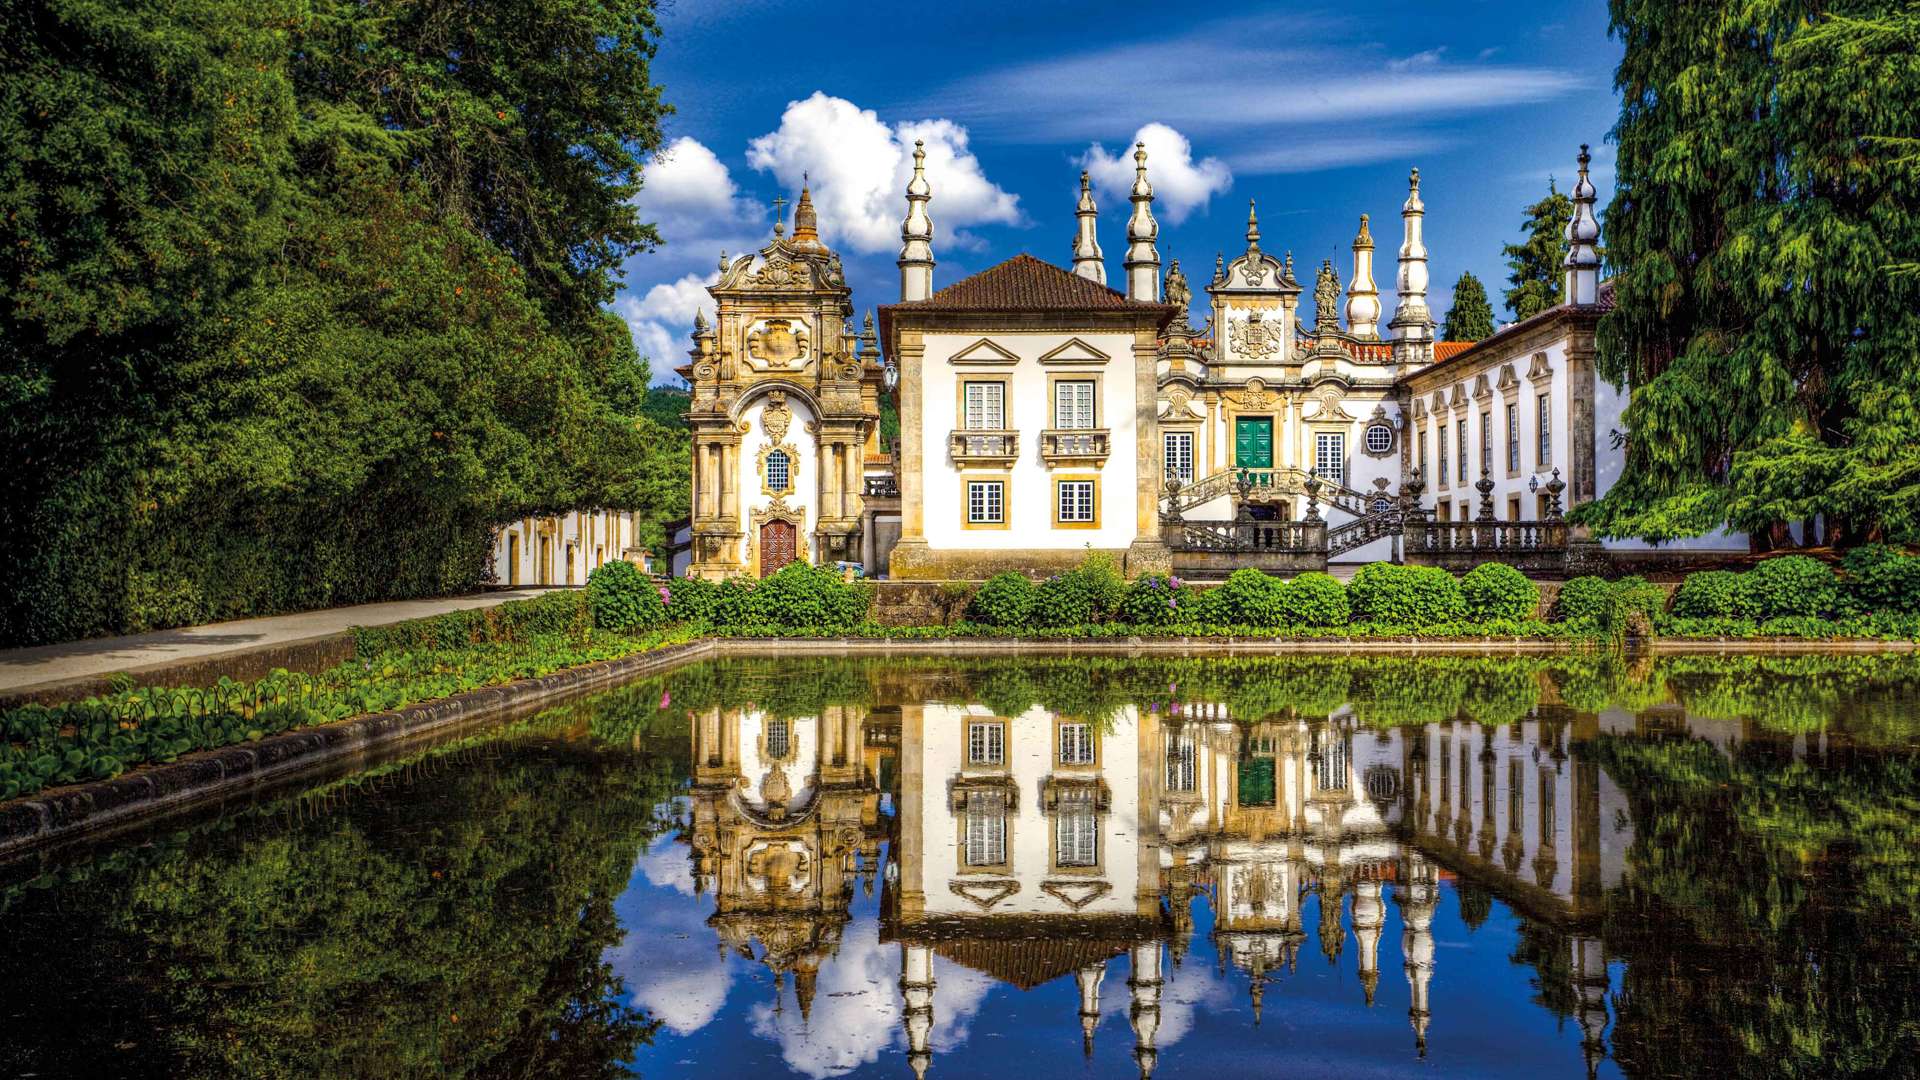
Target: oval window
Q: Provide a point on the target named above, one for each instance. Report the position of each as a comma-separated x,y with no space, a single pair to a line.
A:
1379,439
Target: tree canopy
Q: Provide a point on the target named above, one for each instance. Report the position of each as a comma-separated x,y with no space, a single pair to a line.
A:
1536,265
1471,316
300,300
1765,231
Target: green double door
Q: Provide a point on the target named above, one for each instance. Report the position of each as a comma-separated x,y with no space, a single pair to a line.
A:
1253,442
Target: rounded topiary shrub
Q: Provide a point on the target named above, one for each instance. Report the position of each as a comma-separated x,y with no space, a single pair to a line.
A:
1634,603
1252,598
801,596
1153,600
1409,597
1202,607
1497,592
1005,600
624,600
1882,579
1789,585
1708,594
1315,599
1583,599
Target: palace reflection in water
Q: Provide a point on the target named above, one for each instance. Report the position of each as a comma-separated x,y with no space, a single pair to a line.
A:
1039,846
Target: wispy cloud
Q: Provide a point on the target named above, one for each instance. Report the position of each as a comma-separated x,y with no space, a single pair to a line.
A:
1332,150
1223,79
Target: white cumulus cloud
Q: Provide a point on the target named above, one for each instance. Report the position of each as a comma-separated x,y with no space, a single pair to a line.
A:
859,165
1181,185
690,194
662,319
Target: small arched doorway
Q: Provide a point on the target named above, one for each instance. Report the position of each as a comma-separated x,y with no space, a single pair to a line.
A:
778,545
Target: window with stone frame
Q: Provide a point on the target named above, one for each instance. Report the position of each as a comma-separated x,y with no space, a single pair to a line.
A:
1543,407
1179,456
985,822
1076,744
1180,760
1486,442
986,502
1073,404
986,406
779,471
1076,831
1330,457
1076,501
1460,472
986,743
1513,436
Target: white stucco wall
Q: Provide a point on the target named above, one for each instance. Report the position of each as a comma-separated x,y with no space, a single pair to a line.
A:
1029,756
1029,407
805,466
596,536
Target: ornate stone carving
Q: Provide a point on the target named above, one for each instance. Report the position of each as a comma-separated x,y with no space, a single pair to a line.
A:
1256,397
776,417
1328,404
779,343
1254,336
1179,293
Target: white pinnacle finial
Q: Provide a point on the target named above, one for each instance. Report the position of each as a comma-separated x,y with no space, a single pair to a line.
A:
916,233
1412,323
1088,261
1363,296
1583,234
1143,260
1253,227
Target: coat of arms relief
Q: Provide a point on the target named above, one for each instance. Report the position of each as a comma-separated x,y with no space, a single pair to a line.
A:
1254,335
778,344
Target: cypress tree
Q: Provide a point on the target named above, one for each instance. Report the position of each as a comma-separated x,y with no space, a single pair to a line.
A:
1471,316
1764,226
1535,264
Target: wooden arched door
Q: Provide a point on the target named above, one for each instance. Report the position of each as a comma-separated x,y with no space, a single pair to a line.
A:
777,546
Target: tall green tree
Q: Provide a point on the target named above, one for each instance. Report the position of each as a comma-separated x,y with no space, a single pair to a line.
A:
1536,271
300,299
1470,318
1767,198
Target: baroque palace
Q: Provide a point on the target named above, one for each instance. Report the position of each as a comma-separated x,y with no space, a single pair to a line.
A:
1041,846
1043,413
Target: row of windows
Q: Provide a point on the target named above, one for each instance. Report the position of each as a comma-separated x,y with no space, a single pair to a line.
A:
1543,441
985,405
1329,453
987,743
1075,502
1076,836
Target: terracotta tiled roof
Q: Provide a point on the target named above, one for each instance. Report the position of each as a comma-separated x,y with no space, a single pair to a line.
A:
1030,963
1444,354
1024,283
1445,349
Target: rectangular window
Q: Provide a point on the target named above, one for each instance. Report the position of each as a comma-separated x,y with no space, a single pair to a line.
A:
1076,832
1486,443
986,743
1461,429
1544,409
1423,453
1179,454
1330,457
986,406
1073,403
1513,436
1076,744
1180,765
779,739
1076,501
986,502
778,476
1441,432
986,828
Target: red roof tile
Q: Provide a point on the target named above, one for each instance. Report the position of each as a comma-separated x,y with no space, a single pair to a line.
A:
1024,283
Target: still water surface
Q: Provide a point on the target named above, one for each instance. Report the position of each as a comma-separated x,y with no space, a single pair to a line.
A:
1369,867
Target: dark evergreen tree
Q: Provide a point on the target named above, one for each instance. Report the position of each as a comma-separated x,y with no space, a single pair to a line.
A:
1471,316
299,299
1535,264
1765,206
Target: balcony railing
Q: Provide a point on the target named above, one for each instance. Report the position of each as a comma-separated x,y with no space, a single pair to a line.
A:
1249,536
970,447
1078,446
1485,537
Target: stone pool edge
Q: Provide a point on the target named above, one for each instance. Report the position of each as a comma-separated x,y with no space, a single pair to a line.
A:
77,810
81,809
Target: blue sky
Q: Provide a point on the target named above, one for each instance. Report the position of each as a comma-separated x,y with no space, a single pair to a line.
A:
1316,112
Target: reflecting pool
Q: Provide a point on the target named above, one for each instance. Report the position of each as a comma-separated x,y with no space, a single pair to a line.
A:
1556,866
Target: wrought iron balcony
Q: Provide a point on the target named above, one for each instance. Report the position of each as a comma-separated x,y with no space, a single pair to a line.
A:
1075,446
970,447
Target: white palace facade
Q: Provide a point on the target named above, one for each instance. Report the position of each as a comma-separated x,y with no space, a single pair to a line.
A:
1044,413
